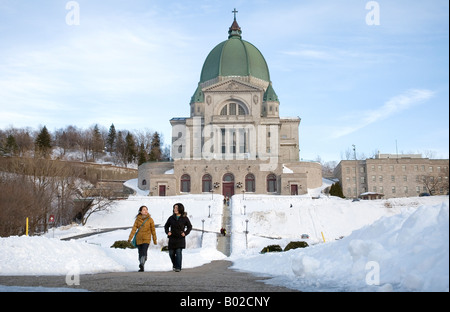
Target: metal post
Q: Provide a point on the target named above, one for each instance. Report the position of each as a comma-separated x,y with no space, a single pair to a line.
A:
356,171
246,234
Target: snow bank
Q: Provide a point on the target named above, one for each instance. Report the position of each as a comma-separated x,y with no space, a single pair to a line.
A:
37,255
404,252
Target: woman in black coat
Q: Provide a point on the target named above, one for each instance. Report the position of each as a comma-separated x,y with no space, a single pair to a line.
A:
177,228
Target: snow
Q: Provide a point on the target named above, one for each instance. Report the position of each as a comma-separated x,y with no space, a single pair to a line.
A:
380,245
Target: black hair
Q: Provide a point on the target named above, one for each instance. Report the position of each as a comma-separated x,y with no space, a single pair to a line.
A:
180,208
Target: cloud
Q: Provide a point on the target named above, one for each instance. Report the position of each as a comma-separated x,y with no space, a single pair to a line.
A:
393,106
90,72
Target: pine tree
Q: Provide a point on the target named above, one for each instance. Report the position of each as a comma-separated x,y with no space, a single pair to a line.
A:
155,150
336,190
111,140
142,155
97,142
11,146
43,143
130,148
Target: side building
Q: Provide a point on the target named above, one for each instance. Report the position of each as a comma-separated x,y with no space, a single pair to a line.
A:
390,176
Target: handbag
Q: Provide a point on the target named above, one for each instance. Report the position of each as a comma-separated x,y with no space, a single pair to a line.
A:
133,241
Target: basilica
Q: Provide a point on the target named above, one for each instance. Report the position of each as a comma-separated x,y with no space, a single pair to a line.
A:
234,141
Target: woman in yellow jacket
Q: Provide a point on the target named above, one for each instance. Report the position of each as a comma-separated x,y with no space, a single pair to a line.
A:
146,232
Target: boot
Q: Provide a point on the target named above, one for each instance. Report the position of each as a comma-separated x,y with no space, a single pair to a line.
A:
141,263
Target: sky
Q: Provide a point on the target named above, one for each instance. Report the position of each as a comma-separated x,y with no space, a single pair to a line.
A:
373,74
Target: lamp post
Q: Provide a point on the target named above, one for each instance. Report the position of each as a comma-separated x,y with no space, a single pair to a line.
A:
246,234
356,172
209,211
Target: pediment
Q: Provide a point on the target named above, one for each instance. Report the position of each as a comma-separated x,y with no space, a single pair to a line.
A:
232,86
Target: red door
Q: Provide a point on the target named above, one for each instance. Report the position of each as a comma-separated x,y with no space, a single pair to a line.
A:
228,189
162,190
294,189
228,185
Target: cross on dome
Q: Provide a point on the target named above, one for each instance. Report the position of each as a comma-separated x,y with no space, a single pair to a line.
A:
235,30
234,11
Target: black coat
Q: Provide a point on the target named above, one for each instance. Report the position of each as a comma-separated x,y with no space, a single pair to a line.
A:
176,227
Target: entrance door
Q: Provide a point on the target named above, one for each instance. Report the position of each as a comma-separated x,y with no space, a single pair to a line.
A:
294,189
228,185
162,190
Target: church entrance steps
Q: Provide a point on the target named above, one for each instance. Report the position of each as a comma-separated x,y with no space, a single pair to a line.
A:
224,242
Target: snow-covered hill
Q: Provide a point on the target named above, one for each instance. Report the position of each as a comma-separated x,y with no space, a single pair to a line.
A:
382,245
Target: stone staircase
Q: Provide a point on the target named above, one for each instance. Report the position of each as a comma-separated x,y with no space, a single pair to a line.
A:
224,242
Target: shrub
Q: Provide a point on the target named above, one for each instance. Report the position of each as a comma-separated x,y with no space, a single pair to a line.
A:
295,245
122,244
271,248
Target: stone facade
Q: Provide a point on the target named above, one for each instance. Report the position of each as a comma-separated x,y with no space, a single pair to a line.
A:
234,140
394,176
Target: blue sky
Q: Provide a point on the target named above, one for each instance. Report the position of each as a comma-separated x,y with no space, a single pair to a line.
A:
137,63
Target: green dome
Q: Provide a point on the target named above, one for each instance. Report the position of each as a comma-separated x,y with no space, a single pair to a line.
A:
235,57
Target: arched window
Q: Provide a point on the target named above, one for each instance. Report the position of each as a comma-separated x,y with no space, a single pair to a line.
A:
207,183
228,178
185,185
250,183
272,183
233,109
144,182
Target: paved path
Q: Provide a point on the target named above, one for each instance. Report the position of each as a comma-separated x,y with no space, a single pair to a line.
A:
213,277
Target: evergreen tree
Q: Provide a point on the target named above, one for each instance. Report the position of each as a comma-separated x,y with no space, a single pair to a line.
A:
43,143
155,150
120,148
11,146
111,140
336,190
130,148
142,155
97,142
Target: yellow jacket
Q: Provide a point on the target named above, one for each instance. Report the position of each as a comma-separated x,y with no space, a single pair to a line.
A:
146,232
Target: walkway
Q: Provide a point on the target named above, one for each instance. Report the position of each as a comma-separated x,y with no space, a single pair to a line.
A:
224,242
213,277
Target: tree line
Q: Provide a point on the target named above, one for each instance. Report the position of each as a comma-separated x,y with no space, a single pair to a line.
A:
120,147
35,183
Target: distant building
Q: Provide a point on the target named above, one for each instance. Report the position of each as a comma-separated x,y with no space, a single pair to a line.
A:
234,141
390,175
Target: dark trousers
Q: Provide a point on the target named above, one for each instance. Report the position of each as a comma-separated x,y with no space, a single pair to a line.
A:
176,257
142,249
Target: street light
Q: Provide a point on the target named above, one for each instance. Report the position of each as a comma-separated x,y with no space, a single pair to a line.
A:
356,172
246,234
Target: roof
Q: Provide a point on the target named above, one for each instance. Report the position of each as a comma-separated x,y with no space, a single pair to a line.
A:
235,57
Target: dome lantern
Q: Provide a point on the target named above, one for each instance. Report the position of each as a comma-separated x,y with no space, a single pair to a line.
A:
235,30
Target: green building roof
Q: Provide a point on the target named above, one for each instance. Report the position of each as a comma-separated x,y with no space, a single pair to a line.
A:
235,57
